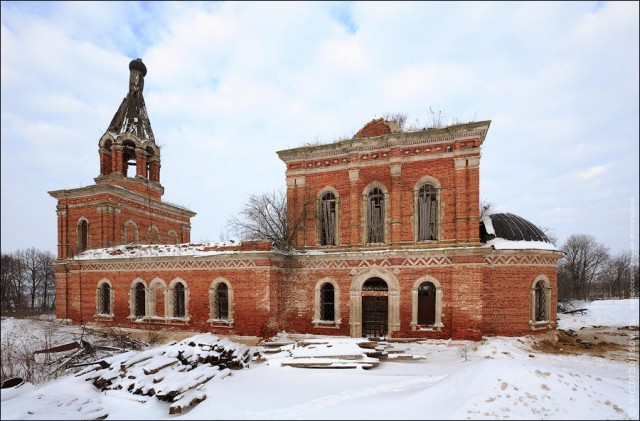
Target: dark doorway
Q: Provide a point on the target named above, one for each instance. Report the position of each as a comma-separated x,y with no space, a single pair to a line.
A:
375,308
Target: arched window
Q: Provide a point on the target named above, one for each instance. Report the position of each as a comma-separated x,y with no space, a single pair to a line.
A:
327,302
327,219
158,301
153,235
426,303
172,237
427,211
426,298
222,301
140,299
375,216
540,302
178,300
130,232
83,235
104,298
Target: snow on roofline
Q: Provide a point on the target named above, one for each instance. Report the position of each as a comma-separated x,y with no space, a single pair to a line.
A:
162,250
502,244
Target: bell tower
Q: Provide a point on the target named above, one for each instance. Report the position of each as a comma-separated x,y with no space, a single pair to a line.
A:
124,205
129,156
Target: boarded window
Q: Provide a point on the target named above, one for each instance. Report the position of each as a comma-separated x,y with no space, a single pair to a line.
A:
222,302
426,303
375,216
327,302
178,300
540,302
139,300
105,299
83,236
328,219
427,213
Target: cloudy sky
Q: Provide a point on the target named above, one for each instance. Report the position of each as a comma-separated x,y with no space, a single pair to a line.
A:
229,84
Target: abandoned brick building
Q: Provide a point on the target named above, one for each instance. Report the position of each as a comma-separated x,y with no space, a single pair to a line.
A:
391,244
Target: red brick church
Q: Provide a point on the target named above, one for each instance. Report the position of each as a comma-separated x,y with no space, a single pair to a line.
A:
391,243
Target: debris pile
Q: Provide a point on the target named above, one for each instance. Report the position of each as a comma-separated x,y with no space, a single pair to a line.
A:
340,353
175,372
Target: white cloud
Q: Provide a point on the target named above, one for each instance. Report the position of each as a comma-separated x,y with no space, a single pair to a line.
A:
231,83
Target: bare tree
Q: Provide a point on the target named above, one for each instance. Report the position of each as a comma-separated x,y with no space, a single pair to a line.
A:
46,261
30,260
618,276
265,217
582,265
10,282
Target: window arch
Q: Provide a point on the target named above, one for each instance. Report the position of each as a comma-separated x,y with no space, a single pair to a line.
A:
138,299
375,213
327,219
157,299
153,234
83,234
426,209
327,304
172,237
221,302
426,297
104,298
130,232
540,301
178,299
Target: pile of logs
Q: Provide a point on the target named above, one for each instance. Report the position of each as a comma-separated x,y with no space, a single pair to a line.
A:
175,372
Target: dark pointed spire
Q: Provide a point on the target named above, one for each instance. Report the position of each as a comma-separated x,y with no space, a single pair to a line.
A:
132,115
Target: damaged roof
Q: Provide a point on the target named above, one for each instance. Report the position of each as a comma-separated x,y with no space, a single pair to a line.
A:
510,227
132,114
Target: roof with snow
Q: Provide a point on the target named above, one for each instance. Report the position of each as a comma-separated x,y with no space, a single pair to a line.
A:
509,231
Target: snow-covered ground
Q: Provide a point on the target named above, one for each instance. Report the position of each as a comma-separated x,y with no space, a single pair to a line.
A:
498,377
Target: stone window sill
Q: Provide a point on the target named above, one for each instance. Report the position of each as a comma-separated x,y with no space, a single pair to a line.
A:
220,323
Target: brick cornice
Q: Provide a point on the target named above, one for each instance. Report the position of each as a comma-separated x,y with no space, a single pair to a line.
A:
97,189
476,130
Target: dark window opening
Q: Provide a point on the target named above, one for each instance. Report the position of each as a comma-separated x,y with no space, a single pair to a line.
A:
427,213
179,300
327,302
328,220
375,216
83,234
139,300
426,303
222,302
105,299
540,302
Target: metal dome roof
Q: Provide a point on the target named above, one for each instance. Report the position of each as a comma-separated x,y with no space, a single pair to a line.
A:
510,227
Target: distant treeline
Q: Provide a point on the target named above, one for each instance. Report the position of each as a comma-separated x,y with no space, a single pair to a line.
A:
588,272
28,281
